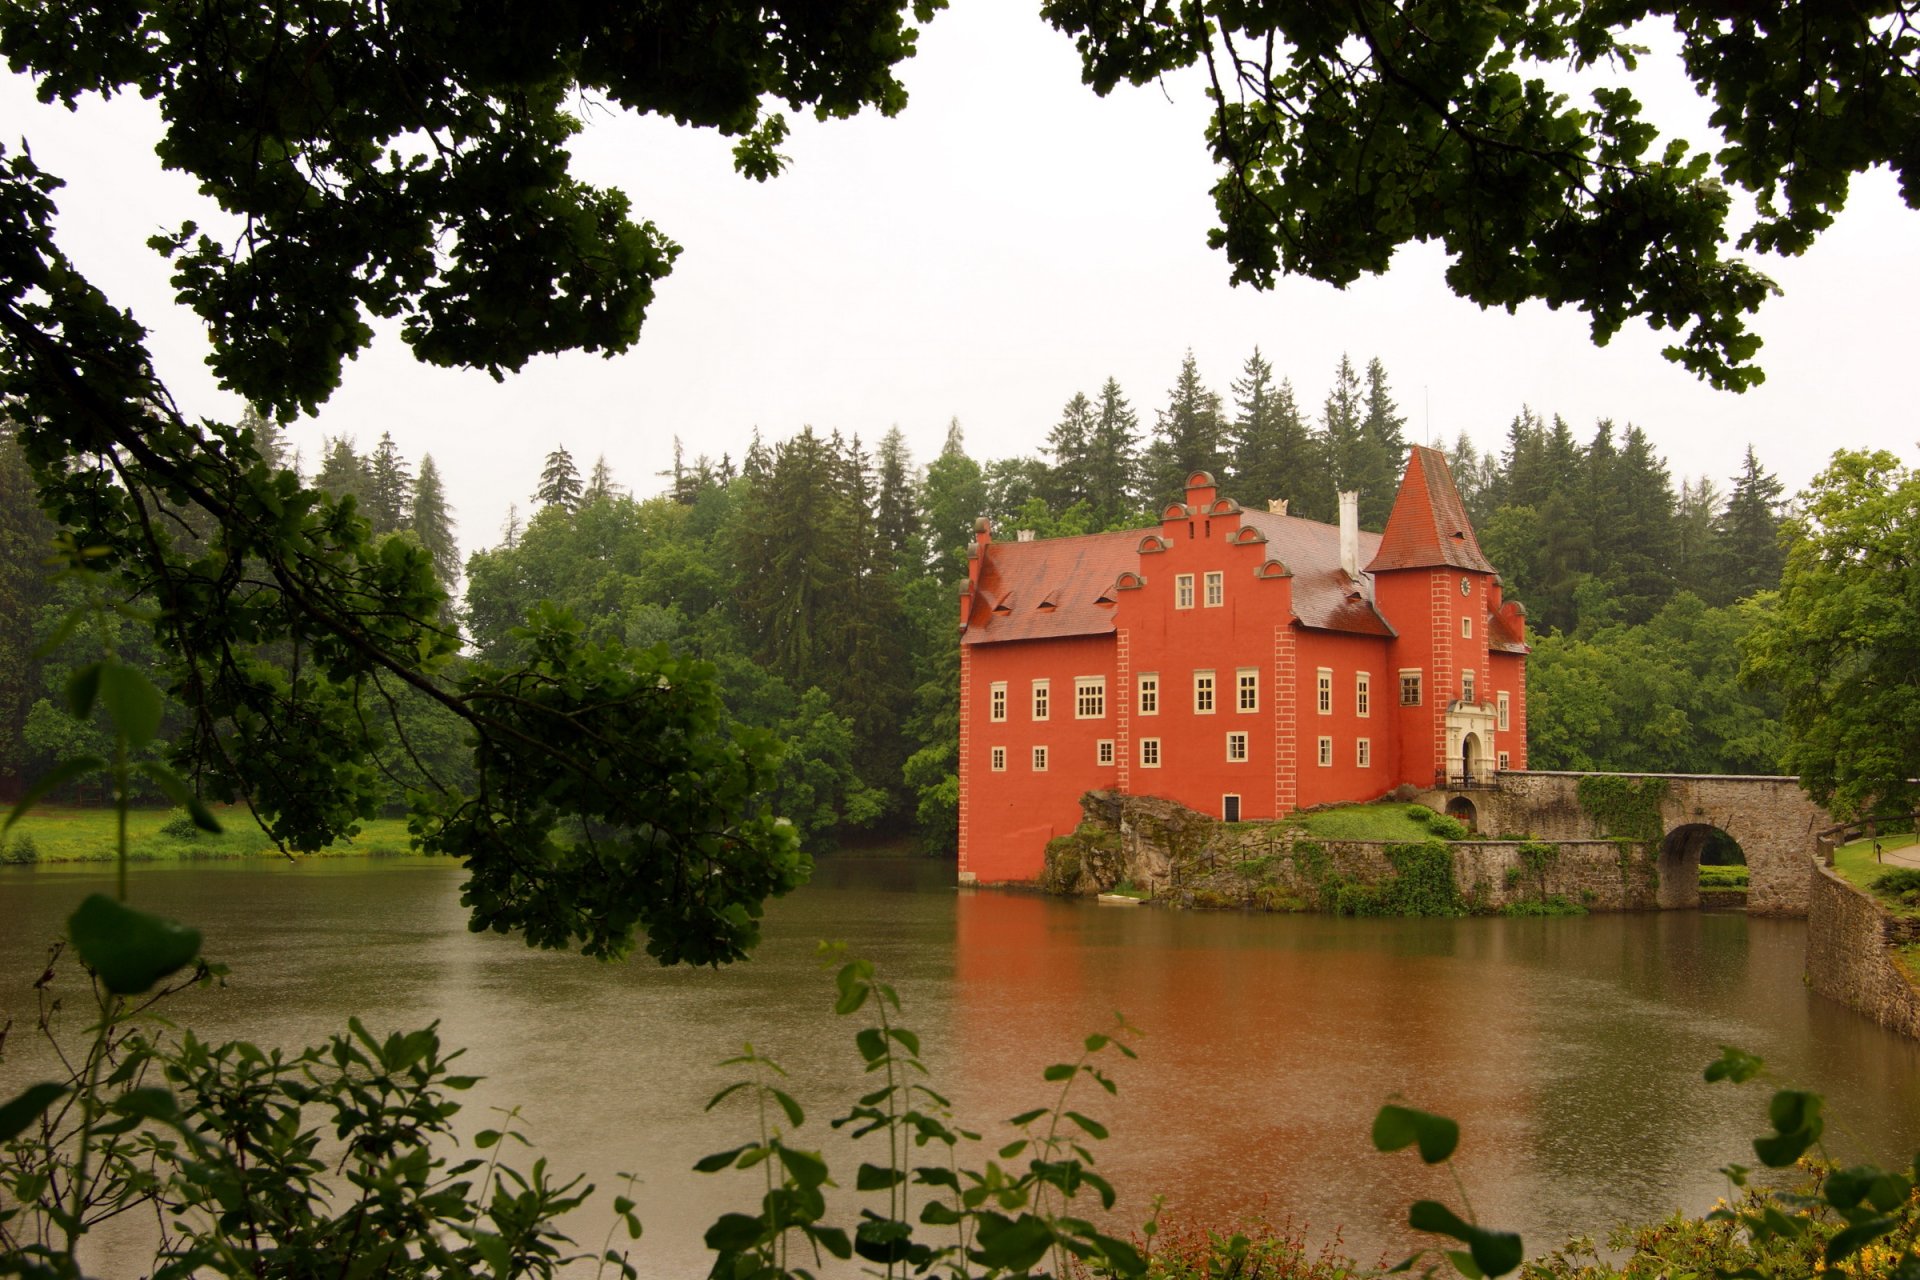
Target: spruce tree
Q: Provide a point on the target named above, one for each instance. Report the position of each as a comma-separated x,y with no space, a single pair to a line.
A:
1751,556
1275,454
896,515
1696,554
389,487
1341,419
432,523
1384,451
955,496
1070,443
559,481
343,473
1189,436
600,485
1112,465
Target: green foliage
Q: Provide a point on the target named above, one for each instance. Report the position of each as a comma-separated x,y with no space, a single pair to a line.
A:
1712,877
1370,129
1552,905
330,1160
1384,820
1625,808
1836,643
180,827
1002,1219
1421,884
1900,886
1256,1250
1447,827
19,849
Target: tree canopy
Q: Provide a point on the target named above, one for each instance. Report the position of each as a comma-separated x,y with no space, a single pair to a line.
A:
410,165
1343,132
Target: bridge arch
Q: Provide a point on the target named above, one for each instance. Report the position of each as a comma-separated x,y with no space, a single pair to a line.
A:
1771,819
1682,853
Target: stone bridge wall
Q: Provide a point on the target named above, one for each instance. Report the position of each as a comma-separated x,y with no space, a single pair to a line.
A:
1771,817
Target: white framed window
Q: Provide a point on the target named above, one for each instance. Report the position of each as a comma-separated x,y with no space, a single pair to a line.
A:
1503,709
1363,752
1504,760
1183,591
1466,628
1149,698
997,702
1324,700
1090,698
1216,587
1039,759
1410,687
1149,753
1236,748
1326,752
1363,694
998,760
1247,682
1466,686
1042,695
1203,693
1103,751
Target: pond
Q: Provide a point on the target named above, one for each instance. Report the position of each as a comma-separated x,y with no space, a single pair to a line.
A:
1570,1050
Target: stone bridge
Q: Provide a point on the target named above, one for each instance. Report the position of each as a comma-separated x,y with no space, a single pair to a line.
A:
1771,818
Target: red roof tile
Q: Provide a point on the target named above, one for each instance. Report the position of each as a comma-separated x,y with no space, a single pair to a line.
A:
1428,526
1072,574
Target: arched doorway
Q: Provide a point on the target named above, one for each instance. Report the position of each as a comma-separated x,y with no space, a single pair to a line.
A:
1471,761
1685,852
1461,809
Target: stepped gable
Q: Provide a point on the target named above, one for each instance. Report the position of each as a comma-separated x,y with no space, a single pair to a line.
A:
1068,576
1428,527
1323,595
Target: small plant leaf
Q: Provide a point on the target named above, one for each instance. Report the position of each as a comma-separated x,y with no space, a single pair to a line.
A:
18,1113
1735,1065
1396,1127
132,701
129,949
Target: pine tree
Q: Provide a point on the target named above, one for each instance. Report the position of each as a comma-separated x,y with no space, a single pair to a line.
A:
432,523
389,487
1340,427
510,528
955,495
559,481
1112,466
1645,540
1069,442
1188,436
268,438
1751,556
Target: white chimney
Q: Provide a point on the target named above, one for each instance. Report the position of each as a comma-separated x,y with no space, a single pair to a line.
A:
1350,534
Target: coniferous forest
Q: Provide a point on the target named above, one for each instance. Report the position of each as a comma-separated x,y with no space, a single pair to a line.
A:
818,573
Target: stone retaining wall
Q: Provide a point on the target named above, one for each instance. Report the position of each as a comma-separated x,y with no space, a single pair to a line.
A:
1850,946
1175,853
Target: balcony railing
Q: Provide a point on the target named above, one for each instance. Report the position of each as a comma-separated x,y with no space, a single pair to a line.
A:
1460,776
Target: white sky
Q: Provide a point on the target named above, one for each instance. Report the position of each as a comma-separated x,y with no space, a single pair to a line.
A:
1008,240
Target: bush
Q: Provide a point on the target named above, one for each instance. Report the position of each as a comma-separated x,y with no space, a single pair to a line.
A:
1902,884
1421,814
1717,877
179,827
1447,828
19,851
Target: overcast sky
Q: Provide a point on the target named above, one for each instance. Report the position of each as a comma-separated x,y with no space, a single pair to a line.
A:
1007,241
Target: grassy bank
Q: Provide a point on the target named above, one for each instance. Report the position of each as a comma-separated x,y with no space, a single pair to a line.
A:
1857,863
1385,820
55,834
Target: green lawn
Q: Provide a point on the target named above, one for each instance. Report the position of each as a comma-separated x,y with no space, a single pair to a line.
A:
1856,862
1386,820
87,835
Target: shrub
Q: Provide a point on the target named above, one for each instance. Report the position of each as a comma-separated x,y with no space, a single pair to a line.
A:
1723,877
1447,828
1902,884
1421,814
19,851
179,827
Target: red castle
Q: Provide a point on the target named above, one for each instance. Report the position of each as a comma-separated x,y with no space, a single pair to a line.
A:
1243,663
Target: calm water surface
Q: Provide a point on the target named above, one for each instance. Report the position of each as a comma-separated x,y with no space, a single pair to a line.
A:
1570,1050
